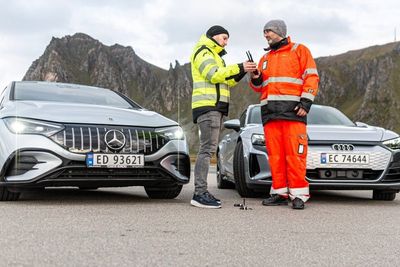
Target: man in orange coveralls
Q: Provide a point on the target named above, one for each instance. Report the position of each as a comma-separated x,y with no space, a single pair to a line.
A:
288,82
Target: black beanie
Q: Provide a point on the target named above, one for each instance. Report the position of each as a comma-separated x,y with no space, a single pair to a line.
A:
215,30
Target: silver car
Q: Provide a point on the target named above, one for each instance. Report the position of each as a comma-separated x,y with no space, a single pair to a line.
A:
342,155
55,134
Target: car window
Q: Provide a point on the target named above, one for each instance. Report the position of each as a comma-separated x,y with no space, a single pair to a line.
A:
324,115
59,92
242,118
255,115
318,115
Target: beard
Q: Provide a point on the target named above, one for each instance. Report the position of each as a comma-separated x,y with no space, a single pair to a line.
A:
271,42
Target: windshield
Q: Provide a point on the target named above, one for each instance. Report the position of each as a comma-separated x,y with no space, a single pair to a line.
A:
69,93
319,115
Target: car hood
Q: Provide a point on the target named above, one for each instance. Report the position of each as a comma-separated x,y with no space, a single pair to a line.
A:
347,133
85,114
339,133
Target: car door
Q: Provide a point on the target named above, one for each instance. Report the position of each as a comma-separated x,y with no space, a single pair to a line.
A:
231,141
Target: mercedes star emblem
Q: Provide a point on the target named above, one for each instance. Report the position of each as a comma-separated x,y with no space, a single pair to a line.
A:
115,140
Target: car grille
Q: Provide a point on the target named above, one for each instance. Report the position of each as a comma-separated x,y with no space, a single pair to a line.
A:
343,174
90,138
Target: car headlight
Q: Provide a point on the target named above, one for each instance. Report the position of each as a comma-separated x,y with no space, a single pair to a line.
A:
29,126
172,133
392,143
258,139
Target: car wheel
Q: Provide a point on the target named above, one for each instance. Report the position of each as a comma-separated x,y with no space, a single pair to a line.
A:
6,195
240,174
221,182
163,193
383,195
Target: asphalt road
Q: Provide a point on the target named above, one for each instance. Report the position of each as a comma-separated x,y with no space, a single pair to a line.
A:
122,227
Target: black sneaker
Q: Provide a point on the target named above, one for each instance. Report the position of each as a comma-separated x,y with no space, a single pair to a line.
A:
275,200
298,204
204,201
212,197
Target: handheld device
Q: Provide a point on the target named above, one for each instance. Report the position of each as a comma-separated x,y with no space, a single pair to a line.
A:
250,58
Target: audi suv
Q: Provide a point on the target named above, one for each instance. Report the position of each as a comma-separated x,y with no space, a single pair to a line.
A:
341,155
58,134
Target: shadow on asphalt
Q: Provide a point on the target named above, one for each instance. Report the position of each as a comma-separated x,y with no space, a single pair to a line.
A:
99,196
137,195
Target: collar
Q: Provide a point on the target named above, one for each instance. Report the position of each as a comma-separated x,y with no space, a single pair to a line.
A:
212,44
278,45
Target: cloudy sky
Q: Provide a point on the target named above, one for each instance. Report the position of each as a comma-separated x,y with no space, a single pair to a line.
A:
162,31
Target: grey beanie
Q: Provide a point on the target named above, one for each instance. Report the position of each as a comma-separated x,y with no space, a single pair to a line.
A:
277,26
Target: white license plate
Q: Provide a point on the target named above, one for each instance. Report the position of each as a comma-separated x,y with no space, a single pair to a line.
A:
114,160
345,158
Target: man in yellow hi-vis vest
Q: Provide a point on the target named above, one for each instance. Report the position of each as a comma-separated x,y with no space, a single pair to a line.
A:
212,80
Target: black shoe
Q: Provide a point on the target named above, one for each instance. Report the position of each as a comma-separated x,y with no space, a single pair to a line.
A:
298,204
275,200
212,197
204,201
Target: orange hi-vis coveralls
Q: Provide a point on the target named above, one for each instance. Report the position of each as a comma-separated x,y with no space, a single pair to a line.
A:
289,79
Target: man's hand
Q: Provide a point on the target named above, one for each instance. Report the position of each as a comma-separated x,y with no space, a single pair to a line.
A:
249,66
301,112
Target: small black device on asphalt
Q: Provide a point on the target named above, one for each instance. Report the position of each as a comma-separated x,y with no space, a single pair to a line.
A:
242,206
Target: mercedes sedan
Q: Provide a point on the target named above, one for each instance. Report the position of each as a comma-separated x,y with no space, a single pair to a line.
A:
56,134
342,155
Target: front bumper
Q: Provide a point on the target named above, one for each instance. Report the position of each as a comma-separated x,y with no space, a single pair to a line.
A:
27,166
386,177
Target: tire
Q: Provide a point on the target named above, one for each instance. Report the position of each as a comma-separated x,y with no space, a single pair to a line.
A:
240,174
6,195
163,193
383,195
221,182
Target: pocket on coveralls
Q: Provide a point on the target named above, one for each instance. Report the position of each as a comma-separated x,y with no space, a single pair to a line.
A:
302,145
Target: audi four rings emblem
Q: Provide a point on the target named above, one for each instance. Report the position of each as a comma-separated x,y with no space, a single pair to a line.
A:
115,139
343,147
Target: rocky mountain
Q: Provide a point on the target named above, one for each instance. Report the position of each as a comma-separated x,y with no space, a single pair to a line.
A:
365,84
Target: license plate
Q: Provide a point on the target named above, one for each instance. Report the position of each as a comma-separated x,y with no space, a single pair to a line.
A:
114,160
345,158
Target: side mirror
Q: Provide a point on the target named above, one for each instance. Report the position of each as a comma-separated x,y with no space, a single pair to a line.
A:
361,124
232,124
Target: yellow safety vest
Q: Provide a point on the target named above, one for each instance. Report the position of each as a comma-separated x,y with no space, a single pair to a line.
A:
212,79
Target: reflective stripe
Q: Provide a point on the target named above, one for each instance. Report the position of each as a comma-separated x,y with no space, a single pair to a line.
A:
206,91
282,80
294,47
302,193
285,80
205,63
204,84
310,71
279,191
264,101
208,100
308,96
197,98
211,72
284,98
